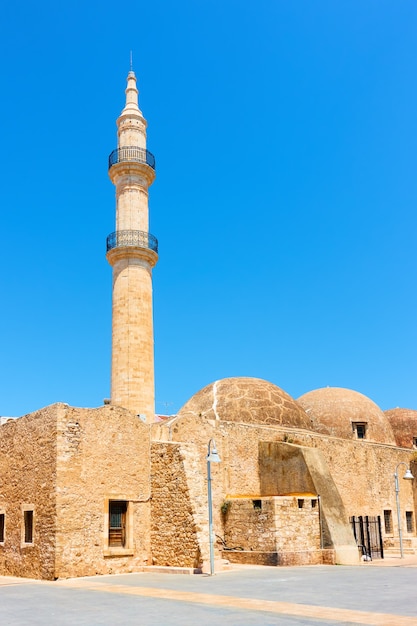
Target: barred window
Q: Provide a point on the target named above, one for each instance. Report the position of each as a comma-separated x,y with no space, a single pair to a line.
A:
117,523
409,521
2,524
388,522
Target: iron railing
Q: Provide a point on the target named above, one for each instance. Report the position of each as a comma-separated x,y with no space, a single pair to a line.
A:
130,238
368,535
132,153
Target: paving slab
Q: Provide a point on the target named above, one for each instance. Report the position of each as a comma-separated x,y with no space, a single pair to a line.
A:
289,596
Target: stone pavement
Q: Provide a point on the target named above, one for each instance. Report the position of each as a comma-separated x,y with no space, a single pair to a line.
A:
372,593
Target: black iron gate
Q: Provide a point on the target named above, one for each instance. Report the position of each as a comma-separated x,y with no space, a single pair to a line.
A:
368,536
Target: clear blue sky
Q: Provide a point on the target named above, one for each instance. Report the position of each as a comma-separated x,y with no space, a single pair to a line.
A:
285,137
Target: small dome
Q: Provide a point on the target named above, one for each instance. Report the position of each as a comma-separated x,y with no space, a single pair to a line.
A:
404,425
247,400
347,414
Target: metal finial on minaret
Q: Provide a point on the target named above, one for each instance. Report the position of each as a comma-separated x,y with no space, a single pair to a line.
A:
131,61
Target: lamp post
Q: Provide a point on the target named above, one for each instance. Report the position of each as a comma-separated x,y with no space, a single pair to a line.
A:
407,476
212,457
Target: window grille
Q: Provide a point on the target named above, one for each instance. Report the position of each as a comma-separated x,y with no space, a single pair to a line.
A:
388,522
117,523
2,520
409,521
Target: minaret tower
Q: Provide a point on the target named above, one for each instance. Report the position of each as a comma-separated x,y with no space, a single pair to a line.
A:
132,252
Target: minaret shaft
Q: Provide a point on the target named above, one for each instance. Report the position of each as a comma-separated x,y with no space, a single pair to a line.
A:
132,252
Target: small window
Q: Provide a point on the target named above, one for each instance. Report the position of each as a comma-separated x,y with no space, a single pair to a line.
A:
388,522
28,521
360,429
409,521
313,504
117,523
257,504
414,442
300,503
2,521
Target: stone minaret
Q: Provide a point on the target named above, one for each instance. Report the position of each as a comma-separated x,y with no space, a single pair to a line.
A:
132,252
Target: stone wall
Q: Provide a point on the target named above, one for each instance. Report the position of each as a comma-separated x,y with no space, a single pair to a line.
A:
278,524
28,481
103,454
273,531
362,471
179,532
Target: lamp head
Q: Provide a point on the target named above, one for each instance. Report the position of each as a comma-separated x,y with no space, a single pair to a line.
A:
212,455
408,475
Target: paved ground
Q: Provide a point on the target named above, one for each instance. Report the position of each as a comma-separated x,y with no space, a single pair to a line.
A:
380,593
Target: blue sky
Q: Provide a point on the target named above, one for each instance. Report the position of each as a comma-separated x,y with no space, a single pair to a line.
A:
285,138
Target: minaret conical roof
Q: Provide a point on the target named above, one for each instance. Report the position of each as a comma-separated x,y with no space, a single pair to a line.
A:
132,96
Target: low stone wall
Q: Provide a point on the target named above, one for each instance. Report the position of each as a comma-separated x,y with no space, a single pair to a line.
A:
281,524
302,557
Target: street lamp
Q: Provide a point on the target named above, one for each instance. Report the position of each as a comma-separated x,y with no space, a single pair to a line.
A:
212,457
407,476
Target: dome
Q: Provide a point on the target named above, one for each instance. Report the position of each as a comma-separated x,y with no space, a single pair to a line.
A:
247,400
347,414
404,425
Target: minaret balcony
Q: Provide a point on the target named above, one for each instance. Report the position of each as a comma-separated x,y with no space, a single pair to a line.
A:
132,238
129,154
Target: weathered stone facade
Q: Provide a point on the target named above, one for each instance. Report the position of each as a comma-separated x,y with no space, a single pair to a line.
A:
271,524
28,479
265,531
65,465
179,529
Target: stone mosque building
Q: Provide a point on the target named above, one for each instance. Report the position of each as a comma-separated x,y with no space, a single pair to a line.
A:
119,489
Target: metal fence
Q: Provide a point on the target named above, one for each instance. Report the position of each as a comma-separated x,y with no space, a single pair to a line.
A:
368,535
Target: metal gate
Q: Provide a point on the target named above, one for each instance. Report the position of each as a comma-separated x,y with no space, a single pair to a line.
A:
368,536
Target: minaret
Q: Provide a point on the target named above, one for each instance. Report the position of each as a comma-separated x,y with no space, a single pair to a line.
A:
132,252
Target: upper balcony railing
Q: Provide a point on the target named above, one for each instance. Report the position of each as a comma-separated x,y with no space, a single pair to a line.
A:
132,238
132,153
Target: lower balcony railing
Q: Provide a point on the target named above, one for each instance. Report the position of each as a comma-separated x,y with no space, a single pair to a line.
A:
130,238
132,153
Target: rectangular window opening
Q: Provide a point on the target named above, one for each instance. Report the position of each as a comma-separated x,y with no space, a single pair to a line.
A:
300,503
388,522
2,521
360,429
409,521
117,523
414,442
313,504
28,521
257,504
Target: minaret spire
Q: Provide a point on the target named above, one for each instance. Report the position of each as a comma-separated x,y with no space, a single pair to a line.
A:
132,98
132,252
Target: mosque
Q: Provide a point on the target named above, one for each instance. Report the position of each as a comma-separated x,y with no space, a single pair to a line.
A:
318,479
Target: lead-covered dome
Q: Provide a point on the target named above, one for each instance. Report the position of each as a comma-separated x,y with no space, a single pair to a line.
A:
347,414
404,425
247,400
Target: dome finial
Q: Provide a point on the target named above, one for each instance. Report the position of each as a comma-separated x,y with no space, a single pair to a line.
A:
131,61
